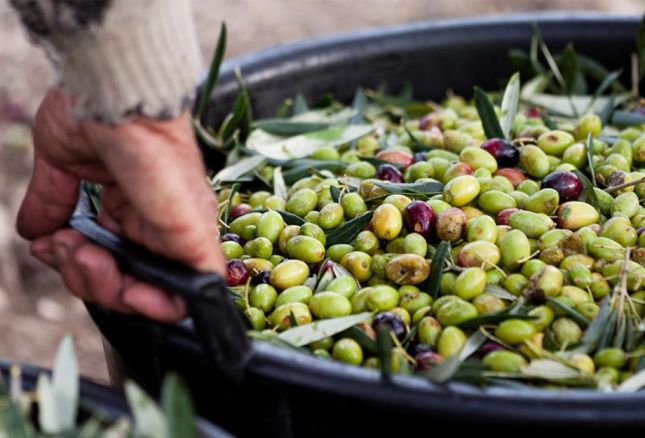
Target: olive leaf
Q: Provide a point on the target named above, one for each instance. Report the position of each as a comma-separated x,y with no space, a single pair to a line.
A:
178,408
229,205
362,338
13,422
303,145
588,148
300,105
350,229
608,331
335,193
304,169
239,169
378,162
415,141
606,83
425,188
573,313
436,269
487,114
288,127
627,118
444,371
510,103
213,73
384,346
289,218
548,121
634,383
279,186
607,111
574,81
493,318
315,331
499,292
149,420
550,369
594,332
359,104
588,194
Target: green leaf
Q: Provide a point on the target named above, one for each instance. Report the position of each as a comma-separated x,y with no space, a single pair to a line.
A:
384,345
47,415
300,105
548,121
634,383
149,420
573,313
499,292
436,269
297,173
426,188
589,149
627,118
213,73
350,229
289,127
240,168
446,370
289,218
246,122
178,407
493,318
510,103
573,79
550,370
64,388
596,71
570,106
608,331
335,193
279,186
303,145
607,111
229,205
594,332
415,141
233,120
588,194
606,83
13,422
315,331
640,49
487,114
362,338
359,104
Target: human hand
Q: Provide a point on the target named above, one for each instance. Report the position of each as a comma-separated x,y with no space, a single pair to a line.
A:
155,193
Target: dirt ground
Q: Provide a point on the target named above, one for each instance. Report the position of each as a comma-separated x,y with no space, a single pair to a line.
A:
35,310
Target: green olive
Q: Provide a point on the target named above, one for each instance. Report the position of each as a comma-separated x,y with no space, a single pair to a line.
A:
306,248
282,316
294,294
470,283
387,222
451,341
461,190
382,298
348,350
504,361
330,305
429,330
359,264
289,273
270,225
407,269
514,331
263,296
456,312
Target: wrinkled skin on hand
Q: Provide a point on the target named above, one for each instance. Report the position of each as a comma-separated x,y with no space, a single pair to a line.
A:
155,193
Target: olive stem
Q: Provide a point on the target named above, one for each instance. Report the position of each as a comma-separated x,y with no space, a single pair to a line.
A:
627,184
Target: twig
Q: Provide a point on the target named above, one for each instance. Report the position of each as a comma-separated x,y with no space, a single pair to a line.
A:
627,184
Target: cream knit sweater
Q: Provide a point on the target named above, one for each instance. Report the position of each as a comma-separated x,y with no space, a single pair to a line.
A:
119,57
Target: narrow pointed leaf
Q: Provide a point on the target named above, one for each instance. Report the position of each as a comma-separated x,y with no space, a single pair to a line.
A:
550,370
436,269
229,205
447,369
384,347
589,147
47,415
213,73
279,186
315,331
427,188
149,420
65,384
594,332
359,105
178,408
487,114
499,292
634,383
350,229
362,338
510,103
588,194
300,105
573,313
240,168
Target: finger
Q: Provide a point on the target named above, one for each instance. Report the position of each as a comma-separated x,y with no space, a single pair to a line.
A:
65,243
102,281
49,202
153,302
43,249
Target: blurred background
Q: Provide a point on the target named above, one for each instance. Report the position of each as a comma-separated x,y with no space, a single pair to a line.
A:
35,310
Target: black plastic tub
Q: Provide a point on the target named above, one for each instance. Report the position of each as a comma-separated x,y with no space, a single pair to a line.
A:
94,397
287,393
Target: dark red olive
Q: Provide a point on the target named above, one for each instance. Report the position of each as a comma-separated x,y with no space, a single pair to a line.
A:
415,348
533,113
489,347
261,277
504,215
640,231
236,272
232,237
505,152
240,210
392,322
387,172
419,156
428,121
567,184
419,218
427,360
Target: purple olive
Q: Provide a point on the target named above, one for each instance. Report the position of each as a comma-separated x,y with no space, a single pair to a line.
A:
232,237
419,156
236,272
419,218
392,322
505,152
240,210
387,172
567,184
427,360
533,113
261,277
489,347
504,216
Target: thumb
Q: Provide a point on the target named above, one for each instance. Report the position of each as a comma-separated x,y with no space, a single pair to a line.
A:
49,202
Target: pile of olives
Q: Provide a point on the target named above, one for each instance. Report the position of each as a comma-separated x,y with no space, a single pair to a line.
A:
526,242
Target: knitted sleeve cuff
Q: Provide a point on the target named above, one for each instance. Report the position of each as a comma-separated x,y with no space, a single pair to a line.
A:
129,58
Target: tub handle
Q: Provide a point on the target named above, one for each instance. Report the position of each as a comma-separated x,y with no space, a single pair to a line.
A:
217,322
